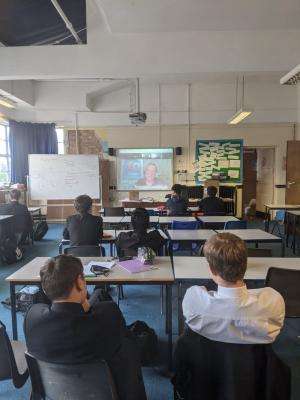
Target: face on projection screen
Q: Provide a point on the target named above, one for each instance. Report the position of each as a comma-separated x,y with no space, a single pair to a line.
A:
144,169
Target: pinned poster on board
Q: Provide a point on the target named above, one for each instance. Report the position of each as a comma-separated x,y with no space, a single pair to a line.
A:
219,159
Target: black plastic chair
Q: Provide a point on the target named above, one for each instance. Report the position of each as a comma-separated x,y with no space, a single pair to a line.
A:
287,283
114,212
12,359
227,370
85,251
70,382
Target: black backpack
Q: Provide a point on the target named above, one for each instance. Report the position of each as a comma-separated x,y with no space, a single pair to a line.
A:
9,251
146,340
40,230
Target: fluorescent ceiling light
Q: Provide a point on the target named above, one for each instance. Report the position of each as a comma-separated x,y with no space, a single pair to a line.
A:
6,102
239,116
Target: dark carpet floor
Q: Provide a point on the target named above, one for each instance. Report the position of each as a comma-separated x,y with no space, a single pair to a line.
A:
141,303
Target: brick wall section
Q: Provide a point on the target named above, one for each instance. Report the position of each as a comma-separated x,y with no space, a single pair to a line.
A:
88,142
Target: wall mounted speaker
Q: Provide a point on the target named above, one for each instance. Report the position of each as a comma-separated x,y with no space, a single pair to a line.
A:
111,151
178,151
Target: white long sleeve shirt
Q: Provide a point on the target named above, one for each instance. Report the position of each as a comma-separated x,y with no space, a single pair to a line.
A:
234,315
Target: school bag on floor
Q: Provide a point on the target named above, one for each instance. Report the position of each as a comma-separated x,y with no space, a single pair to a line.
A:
39,230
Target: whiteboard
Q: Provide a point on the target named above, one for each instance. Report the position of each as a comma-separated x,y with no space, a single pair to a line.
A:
58,177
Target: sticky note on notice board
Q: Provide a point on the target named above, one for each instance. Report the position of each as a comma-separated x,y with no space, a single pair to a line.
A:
234,163
234,173
223,163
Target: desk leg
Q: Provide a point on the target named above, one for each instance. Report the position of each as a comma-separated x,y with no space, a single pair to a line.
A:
169,324
13,311
294,235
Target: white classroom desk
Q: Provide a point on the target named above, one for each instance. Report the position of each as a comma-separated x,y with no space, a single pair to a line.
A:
34,210
4,218
29,274
256,236
215,219
153,219
166,220
112,220
187,235
193,268
190,269
271,207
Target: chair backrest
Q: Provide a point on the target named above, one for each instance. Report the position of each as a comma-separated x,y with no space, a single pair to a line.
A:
84,251
191,225
8,366
114,211
235,225
287,283
215,213
228,370
259,252
280,215
75,382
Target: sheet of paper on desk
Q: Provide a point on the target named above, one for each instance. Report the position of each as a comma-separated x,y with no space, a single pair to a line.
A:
104,264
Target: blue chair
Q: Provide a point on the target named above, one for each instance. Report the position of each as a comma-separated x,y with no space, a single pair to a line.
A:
185,225
278,221
235,225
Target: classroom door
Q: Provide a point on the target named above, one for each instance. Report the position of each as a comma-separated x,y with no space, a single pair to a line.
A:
292,193
250,176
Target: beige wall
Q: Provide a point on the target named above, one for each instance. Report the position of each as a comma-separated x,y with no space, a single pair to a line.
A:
254,135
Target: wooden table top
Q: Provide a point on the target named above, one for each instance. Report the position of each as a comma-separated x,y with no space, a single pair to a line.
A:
162,273
252,235
197,267
190,234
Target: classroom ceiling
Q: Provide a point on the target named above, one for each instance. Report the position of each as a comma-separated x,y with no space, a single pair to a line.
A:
133,16
37,22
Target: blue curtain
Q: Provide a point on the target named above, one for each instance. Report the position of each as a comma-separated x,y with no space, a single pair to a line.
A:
28,138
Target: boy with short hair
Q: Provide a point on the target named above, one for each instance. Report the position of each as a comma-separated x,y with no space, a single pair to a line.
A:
232,314
176,204
212,205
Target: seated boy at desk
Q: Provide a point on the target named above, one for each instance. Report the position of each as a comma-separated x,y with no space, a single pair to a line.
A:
22,222
127,243
232,314
176,204
72,331
212,205
83,228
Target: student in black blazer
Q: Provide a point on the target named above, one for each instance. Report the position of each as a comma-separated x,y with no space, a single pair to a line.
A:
212,205
127,243
71,331
22,221
83,229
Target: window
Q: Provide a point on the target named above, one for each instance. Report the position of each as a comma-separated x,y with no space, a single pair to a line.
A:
4,155
60,140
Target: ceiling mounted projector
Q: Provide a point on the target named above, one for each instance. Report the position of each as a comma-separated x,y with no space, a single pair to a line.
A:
138,118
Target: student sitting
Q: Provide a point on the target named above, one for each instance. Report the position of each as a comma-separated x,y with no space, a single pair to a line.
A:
176,204
83,229
22,223
70,331
127,243
212,205
232,314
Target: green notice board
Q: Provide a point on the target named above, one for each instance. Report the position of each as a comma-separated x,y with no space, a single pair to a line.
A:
221,159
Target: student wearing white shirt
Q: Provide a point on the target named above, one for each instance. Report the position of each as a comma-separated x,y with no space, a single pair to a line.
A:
232,314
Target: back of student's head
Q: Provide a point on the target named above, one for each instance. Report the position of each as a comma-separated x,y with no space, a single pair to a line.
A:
212,191
177,189
227,256
15,194
140,220
59,275
83,204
